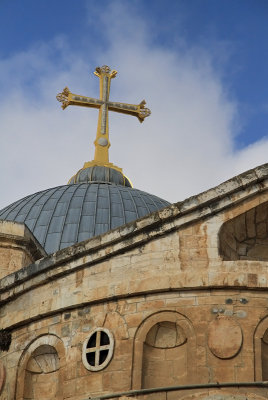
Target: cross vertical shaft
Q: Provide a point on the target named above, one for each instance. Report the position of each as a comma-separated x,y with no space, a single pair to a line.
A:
102,142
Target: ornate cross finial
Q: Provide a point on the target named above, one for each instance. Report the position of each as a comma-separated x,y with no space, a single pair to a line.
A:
102,142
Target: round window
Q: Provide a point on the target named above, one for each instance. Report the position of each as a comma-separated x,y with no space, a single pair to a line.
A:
98,349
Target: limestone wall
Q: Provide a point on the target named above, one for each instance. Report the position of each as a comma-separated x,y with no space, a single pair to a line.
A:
222,343
177,310
18,247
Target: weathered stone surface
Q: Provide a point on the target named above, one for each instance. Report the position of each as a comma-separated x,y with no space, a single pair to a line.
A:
224,337
157,284
18,247
246,236
2,376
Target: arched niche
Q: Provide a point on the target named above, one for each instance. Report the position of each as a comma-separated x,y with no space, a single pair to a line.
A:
245,237
261,351
40,370
164,351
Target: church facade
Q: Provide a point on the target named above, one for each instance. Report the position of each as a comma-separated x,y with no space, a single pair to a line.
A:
170,305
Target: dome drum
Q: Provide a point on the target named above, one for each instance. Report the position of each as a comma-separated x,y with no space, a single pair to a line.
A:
100,174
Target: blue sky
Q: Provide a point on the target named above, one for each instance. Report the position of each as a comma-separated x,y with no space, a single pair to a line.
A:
201,65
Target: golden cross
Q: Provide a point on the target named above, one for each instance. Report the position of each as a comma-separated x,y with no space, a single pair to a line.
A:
102,142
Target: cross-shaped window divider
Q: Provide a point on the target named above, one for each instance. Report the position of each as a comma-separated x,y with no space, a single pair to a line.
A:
101,337
98,349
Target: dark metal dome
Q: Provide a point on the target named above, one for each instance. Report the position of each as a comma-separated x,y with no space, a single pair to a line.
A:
100,174
62,216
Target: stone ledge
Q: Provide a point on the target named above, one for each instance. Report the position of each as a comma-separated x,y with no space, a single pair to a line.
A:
18,234
141,231
245,278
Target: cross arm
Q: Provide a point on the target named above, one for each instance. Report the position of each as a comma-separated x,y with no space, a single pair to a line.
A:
67,98
139,110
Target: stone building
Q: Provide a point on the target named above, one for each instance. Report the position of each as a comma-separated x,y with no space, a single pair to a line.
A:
109,292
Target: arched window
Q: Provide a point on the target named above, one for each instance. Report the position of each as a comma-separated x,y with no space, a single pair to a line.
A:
40,370
42,374
164,346
164,355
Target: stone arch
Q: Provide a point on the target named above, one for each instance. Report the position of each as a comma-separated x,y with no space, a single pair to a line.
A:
261,350
175,343
245,237
41,368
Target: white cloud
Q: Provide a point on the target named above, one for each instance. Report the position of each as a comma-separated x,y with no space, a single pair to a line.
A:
184,147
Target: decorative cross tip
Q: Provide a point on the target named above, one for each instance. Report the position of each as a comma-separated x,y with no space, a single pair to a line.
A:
105,70
143,111
63,97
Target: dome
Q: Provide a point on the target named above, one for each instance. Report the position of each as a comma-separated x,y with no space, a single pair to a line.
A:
100,174
65,215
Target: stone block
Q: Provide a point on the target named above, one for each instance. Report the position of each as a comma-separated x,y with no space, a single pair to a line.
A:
116,381
240,228
69,389
261,230
261,212
250,222
134,320
88,384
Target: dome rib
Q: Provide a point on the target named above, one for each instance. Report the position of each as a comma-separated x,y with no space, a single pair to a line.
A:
15,204
96,208
41,208
38,195
123,208
21,202
54,209
109,208
81,213
152,198
64,225
145,205
133,200
24,205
